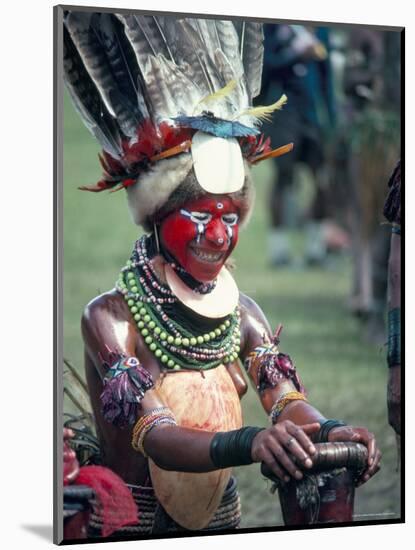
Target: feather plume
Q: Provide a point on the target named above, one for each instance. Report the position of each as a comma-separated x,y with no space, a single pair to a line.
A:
229,44
185,55
87,99
252,53
223,93
185,93
162,100
152,33
131,74
123,63
238,98
212,76
262,112
82,28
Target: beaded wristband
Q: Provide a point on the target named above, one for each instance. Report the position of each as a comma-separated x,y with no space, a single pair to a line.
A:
139,444
282,402
159,411
394,337
325,427
145,424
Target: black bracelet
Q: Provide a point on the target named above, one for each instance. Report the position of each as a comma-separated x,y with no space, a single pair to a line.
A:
396,229
233,448
325,427
394,337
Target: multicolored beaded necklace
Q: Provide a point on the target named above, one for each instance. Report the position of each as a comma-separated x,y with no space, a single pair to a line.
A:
174,345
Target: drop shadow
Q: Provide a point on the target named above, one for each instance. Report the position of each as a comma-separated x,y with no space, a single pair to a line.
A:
44,532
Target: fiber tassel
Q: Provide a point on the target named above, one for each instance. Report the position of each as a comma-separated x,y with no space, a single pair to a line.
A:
124,388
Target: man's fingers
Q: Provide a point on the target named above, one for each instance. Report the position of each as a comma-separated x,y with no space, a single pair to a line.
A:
295,449
375,465
371,449
284,460
273,465
302,438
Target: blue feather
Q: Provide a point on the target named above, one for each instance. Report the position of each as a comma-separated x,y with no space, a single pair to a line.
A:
216,126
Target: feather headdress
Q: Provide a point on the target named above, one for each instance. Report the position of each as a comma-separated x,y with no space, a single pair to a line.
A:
146,85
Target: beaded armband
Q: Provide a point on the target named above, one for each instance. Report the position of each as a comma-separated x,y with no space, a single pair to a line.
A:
394,337
267,366
125,384
146,423
282,402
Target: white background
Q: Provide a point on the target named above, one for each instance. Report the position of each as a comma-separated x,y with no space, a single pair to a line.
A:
26,231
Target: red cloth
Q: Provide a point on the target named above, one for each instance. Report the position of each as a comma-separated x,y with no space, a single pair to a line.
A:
115,503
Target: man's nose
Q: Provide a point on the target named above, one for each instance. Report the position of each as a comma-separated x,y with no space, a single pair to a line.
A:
216,234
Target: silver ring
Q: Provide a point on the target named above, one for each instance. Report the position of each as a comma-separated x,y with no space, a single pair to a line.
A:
290,441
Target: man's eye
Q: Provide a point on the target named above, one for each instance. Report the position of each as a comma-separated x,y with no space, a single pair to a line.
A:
201,217
230,219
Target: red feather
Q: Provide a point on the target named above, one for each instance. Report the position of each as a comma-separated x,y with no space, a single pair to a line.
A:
150,141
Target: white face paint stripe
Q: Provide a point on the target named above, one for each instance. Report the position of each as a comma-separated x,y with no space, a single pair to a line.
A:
201,226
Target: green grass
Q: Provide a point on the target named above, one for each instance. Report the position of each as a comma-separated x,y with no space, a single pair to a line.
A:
345,377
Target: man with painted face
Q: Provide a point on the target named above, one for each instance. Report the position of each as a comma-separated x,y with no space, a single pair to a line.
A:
163,349
183,344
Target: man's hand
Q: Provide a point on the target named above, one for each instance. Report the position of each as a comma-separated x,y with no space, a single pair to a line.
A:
394,398
360,435
70,462
274,445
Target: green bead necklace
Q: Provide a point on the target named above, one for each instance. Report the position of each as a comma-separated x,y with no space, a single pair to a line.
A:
173,345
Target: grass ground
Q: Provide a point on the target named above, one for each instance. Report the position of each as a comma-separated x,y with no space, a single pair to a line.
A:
345,377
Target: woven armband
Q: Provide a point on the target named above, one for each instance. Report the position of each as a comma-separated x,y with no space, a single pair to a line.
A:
233,448
394,337
125,384
267,366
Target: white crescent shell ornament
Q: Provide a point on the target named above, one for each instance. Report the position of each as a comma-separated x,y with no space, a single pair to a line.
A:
218,163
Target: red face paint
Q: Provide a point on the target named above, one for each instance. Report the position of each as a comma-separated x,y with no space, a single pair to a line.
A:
201,235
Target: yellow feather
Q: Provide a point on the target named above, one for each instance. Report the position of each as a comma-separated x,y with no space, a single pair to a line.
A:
265,112
223,92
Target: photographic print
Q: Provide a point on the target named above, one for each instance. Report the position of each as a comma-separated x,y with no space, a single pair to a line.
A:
229,342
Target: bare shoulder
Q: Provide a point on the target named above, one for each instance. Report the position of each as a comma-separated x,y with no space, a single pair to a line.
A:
110,305
254,324
104,317
251,310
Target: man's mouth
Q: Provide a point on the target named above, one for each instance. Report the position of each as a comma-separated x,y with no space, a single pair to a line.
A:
205,256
